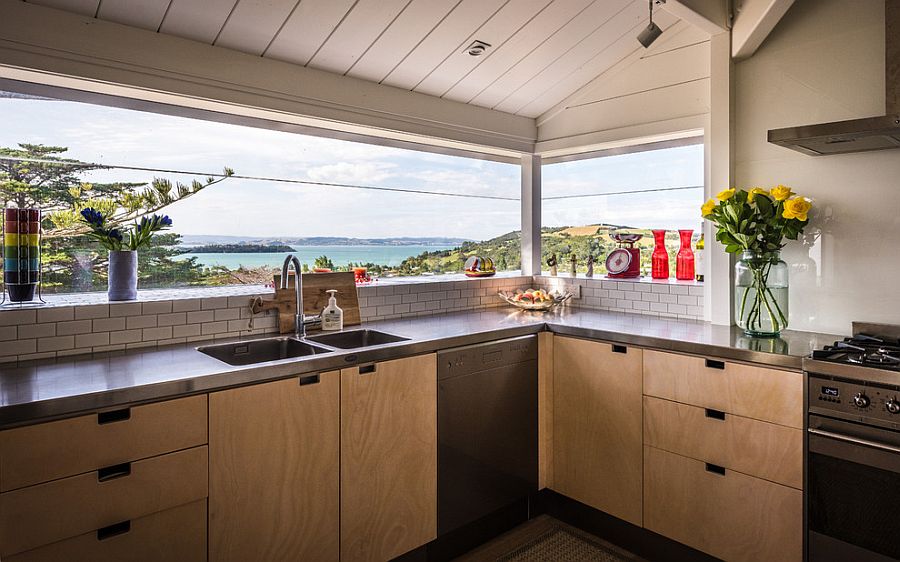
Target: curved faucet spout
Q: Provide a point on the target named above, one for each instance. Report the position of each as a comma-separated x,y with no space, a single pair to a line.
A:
299,326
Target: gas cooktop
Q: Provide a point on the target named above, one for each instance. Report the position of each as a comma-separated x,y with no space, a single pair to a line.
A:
863,349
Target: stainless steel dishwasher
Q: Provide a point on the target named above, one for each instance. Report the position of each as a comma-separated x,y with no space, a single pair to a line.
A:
487,429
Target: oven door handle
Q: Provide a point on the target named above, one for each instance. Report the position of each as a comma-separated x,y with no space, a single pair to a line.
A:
854,440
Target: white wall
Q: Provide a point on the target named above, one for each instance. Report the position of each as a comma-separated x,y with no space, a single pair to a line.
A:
825,62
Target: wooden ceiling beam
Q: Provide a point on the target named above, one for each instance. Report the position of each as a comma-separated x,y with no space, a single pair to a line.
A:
753,21
709,15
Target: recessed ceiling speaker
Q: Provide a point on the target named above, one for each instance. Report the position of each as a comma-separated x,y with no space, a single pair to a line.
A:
650,33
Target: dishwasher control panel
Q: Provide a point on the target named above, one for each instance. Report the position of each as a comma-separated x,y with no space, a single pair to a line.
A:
474,358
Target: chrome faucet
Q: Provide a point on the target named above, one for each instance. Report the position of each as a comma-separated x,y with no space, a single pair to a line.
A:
300,319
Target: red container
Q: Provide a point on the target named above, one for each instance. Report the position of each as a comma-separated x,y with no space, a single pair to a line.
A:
684,261
659,261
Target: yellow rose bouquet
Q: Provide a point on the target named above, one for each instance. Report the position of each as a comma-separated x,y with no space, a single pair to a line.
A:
755,223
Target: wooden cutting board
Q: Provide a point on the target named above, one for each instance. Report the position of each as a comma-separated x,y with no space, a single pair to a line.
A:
315,299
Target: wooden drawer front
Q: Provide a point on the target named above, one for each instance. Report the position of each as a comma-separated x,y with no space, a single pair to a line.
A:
42,514
40,453
753,392
733,516
174,534
765,450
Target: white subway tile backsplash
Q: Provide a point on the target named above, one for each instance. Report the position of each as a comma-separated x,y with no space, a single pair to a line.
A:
200,317
186,330
28,331
17,317
226,314
69,330
60,314
125,336
134,322
108,324
153,334
73,327
90,340
55,343
156,307
213,303
173,319
92,311
125,309
188,305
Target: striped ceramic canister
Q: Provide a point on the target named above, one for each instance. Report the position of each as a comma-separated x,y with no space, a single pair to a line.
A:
21,252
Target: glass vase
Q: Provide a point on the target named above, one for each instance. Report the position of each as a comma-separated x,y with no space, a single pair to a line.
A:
684,260
659,261
761,294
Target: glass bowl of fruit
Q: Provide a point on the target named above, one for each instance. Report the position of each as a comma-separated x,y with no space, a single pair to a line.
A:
534,299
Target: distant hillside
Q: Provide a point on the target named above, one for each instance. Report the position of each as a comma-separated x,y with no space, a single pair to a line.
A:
204,239
237,249
563,241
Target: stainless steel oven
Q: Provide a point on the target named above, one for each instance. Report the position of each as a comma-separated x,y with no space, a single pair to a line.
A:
852,469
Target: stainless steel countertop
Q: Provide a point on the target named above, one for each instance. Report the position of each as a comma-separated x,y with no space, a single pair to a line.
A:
43,390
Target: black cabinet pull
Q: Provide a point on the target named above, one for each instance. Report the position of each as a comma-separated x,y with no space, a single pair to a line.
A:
619,349
113,530
309,379
112,472
114,416
715,469
366,369
713,364
715,414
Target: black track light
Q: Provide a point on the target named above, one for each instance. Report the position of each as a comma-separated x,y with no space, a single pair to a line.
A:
649,34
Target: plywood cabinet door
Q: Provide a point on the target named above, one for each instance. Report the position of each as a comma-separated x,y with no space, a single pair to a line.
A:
597,441
274,470
388,458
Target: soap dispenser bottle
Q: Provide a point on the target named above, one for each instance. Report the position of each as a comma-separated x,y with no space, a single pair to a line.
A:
332,316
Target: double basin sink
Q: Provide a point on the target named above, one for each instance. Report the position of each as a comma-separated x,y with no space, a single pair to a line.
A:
250,352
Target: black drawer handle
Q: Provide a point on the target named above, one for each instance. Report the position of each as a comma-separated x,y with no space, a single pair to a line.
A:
309,379
113,530
715,469
619,349
114,416
366,369
112,472
715,414
713,364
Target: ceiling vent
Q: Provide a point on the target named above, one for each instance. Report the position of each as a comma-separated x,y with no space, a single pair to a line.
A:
477,48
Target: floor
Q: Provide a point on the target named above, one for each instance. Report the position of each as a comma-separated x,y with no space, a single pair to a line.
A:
545,539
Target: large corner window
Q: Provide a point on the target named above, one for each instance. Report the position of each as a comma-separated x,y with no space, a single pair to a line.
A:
584,200
334,203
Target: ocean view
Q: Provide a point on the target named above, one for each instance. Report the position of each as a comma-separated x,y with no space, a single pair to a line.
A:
340,255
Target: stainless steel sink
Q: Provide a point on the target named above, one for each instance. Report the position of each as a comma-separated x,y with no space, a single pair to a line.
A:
354,339
261,350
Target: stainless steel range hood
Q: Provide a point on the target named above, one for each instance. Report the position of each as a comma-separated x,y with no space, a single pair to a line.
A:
857,135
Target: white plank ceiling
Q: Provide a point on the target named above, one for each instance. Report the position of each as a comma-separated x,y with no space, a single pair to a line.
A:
541,51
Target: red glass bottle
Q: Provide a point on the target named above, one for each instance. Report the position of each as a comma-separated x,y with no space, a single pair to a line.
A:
659,261
684,261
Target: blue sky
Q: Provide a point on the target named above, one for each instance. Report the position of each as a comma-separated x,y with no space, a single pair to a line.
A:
257,208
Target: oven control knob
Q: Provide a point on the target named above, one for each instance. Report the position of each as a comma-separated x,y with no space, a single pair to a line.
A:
892,406
861,400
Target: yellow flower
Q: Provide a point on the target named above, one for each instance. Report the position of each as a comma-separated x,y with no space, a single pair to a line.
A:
796,208
725,195
754,192
781,192
708,207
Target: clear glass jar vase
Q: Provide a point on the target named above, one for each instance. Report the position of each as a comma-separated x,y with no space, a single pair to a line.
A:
761,294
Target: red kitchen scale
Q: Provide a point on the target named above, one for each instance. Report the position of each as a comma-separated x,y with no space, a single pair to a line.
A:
625,261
